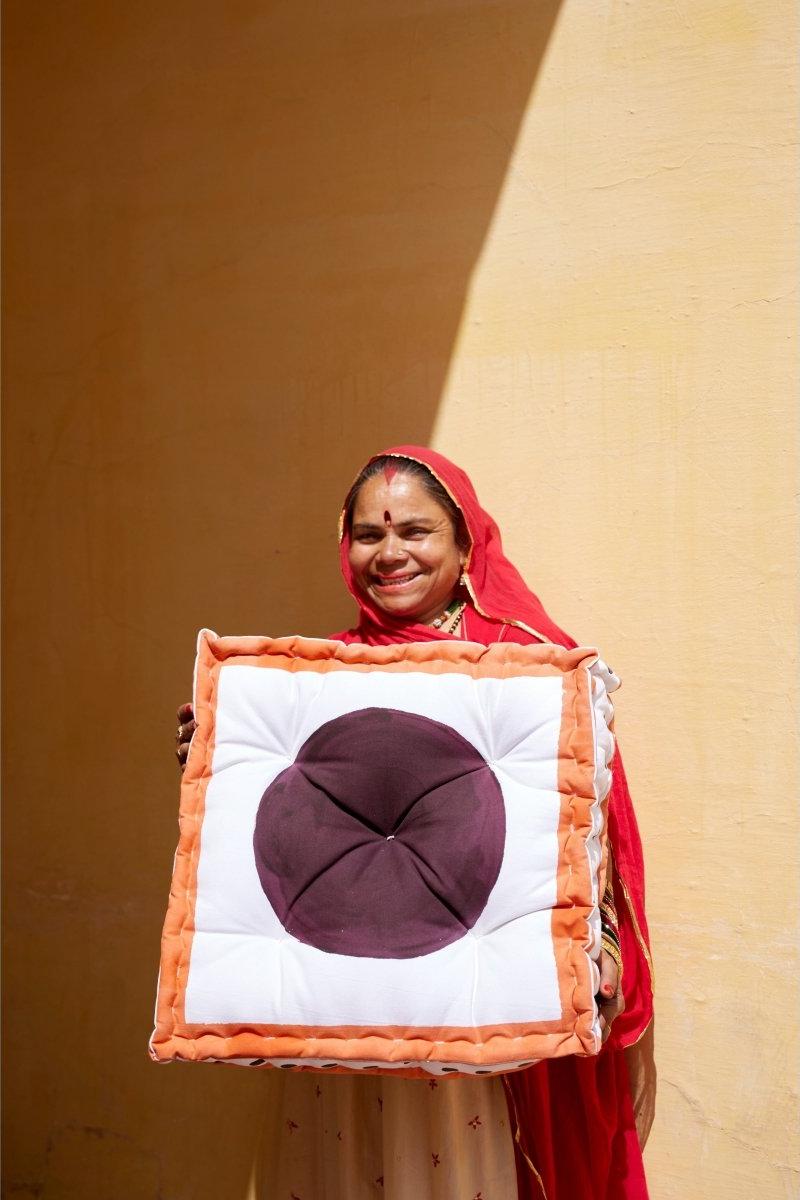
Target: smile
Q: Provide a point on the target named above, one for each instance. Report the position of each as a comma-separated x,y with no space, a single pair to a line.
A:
394,581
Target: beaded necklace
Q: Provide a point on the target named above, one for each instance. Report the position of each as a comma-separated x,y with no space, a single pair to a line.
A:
451,617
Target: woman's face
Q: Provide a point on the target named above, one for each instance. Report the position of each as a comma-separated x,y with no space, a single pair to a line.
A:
403,550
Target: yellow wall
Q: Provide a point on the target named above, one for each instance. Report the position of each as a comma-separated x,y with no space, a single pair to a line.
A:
248,244
624,391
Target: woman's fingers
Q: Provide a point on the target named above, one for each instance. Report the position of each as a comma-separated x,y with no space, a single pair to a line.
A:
609,976
186,727
609,1011
186,724
610,1000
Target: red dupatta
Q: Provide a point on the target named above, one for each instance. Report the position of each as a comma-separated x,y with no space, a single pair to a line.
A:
575,1137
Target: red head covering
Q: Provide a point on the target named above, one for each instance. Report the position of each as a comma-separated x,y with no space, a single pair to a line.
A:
498,591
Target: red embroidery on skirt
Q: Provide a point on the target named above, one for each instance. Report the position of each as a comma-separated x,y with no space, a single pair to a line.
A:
475,1122
291,1126
435,1159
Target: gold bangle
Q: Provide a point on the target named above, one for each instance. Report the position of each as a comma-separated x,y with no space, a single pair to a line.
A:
610,935
613,951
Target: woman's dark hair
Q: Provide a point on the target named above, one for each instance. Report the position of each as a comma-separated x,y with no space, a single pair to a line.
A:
417,470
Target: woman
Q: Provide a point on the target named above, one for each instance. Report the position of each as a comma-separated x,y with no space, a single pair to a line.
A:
424,562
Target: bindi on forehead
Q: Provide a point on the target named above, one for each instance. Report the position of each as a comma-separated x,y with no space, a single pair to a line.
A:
387,517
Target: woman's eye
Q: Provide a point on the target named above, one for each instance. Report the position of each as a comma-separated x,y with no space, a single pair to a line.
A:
366,537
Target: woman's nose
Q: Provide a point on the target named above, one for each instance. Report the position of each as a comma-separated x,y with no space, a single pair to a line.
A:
391,548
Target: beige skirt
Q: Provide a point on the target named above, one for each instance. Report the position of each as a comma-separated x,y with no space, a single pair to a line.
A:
350,1137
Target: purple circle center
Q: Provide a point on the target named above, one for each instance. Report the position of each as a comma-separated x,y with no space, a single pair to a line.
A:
383,839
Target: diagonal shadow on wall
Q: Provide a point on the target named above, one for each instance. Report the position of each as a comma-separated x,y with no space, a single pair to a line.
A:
238,243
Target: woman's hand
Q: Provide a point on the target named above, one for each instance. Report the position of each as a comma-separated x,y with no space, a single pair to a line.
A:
610,999
186,727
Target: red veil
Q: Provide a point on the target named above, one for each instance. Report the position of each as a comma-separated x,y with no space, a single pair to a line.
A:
573,1117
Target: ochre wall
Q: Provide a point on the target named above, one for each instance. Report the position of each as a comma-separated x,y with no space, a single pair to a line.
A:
246,245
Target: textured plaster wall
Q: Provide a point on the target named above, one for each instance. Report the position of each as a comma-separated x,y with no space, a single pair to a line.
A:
624,390
246,245
238,238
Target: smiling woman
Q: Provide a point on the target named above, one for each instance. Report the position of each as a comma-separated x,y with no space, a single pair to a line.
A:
408,545
424,563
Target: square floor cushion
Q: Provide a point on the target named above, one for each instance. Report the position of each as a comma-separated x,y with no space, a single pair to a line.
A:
390,857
